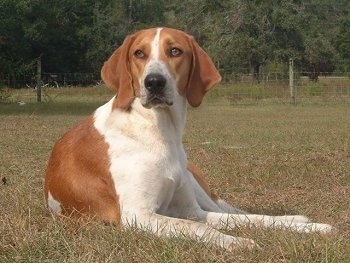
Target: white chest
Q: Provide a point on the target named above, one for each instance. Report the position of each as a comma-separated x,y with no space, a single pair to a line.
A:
147,159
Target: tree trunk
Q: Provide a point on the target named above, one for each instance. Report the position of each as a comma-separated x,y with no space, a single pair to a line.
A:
256,69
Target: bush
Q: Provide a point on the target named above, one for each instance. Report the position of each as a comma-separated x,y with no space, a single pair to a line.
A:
5,95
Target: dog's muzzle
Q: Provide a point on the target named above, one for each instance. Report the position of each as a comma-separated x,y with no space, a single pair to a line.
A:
155,85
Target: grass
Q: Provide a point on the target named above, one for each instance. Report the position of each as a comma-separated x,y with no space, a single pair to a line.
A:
272,158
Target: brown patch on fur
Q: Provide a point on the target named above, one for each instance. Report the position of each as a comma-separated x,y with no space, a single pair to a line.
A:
204,75
78,175
200,178
116,74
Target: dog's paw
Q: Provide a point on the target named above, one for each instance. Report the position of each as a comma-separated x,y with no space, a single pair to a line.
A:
239,243
310,227
293,219
321,228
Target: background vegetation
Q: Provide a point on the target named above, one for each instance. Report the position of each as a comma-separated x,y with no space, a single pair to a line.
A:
241,36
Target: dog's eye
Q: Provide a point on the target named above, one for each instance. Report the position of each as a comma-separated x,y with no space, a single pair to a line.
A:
175,52
139,54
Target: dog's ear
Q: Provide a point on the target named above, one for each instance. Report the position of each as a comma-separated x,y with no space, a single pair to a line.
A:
203,77
116,74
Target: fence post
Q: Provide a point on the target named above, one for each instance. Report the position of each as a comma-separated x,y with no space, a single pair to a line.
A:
291,81
38,79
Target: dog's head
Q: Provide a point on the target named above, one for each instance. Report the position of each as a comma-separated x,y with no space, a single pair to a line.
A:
158,64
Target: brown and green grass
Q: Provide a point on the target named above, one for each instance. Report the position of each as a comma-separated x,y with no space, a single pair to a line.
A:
271,158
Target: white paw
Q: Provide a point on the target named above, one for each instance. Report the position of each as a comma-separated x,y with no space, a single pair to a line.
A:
239,243
293,219
310,227
321,228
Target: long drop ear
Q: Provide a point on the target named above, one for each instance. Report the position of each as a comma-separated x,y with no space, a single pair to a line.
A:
116,75
203,77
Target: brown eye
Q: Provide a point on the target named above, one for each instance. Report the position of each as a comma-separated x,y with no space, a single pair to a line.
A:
139,54
175,52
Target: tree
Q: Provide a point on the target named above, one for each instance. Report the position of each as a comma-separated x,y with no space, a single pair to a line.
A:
14,52
53,30
320,26
109,27
343,42
241,36
319,55
146,12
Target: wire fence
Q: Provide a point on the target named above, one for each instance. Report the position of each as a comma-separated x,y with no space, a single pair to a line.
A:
55,80
275,86
240,89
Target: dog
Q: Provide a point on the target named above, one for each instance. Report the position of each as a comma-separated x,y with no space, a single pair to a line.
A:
126,163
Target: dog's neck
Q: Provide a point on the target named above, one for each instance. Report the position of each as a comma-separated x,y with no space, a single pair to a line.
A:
164,118
167,123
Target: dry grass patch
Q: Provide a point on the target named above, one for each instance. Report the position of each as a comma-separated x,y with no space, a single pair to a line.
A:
271,158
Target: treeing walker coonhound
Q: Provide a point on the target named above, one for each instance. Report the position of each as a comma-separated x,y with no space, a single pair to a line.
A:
126,163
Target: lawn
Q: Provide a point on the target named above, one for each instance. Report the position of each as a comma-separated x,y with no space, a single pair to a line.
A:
272,158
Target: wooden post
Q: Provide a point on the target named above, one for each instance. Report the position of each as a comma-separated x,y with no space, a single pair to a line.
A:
291,81
38,79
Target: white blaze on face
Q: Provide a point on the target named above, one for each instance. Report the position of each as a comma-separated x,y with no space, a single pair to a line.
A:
155,46
157,66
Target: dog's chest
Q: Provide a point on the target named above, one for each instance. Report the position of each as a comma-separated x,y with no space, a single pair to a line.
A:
152,160
147,160
147,176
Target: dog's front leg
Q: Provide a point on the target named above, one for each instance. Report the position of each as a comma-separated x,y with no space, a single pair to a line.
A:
165,226
294,223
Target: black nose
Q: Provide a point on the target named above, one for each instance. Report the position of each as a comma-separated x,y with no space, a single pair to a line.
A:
155,83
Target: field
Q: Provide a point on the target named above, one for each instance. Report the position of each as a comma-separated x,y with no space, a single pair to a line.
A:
273,158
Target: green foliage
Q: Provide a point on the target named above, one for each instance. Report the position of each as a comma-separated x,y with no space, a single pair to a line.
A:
5,95
146,13
109,27
343,41
241,36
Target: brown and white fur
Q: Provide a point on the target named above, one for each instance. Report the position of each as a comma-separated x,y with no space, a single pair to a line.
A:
126,163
